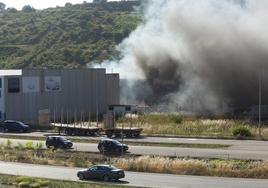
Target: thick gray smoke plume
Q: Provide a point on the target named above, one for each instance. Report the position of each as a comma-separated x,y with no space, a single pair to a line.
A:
199,55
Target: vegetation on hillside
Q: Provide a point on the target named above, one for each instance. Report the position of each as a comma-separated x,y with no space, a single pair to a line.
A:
64,37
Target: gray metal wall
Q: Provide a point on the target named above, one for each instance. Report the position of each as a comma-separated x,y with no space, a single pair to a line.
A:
82,90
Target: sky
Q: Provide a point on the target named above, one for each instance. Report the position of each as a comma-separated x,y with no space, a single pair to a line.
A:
39,4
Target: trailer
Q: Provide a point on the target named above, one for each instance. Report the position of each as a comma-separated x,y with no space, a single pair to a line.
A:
129,132
78,130
112,129
109,127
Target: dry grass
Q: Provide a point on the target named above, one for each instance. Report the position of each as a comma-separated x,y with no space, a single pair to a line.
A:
163,124
48,157
222,168
23,181
186,166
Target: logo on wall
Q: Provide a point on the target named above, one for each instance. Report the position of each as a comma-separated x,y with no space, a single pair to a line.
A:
30,84
52,83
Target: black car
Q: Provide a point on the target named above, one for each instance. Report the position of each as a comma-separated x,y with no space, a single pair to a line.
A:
110,145
58,142
15,126
101,172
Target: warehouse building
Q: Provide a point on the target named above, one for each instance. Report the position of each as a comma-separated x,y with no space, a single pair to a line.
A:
27,95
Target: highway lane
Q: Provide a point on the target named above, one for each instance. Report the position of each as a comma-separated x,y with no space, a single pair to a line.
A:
236,144
170,151
134,178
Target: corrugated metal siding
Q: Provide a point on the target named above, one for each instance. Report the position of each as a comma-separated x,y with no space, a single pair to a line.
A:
82,90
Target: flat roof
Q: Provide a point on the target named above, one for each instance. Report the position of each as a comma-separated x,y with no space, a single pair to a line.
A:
11,72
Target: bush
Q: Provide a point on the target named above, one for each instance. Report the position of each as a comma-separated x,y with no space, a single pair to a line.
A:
29,145
177,119
31,182
8,143
241,132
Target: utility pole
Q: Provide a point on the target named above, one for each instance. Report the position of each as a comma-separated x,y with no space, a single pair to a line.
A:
260,101
97,101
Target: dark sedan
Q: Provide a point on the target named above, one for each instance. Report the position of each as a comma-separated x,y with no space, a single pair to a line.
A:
110,145
101,172
58,142
15,126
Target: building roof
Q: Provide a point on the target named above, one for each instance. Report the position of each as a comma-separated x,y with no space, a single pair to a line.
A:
11,72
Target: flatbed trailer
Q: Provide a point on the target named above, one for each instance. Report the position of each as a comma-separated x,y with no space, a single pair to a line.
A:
129,132
78,130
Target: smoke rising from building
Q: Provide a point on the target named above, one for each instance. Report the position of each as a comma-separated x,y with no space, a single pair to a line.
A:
199,55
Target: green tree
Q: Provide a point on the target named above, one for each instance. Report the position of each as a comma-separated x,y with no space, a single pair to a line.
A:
99,1
2,6
28,8
12,10
68,4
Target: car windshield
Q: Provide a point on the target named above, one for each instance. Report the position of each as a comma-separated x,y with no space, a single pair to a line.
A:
93,168
63,139
112,167
22,124
116,142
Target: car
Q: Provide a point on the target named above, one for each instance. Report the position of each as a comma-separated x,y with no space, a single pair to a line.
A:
111,145
101,172
15,126
58,142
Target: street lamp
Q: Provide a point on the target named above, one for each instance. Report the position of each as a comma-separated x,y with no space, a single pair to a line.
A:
260,101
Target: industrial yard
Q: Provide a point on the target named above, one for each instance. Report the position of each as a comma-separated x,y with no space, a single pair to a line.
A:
133,93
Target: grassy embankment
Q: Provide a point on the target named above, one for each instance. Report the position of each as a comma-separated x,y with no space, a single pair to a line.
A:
162,124
182,166
31,182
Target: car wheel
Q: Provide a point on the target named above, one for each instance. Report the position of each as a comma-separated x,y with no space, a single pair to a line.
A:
81,176
106,178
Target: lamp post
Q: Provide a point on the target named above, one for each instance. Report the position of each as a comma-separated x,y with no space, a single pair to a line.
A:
260,101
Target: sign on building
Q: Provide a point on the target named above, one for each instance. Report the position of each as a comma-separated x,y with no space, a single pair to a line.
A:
30,84
52,83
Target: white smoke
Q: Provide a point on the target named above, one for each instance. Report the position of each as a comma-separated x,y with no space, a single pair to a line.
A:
198,54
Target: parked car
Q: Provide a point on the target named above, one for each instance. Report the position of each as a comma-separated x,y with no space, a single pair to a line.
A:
15,126
101,172
58,142
110,145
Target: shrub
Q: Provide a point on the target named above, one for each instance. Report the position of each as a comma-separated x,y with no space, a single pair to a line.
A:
241,132
32,182
29,145
177,119
8,143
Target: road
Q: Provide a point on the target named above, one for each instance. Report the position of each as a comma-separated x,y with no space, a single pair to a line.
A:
255,150
134,178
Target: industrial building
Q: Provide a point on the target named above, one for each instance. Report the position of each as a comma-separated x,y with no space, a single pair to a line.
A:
27,95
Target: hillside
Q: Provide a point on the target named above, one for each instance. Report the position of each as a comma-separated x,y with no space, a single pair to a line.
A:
64,37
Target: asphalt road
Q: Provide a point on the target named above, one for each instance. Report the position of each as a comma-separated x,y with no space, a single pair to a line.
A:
133,178
256,151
